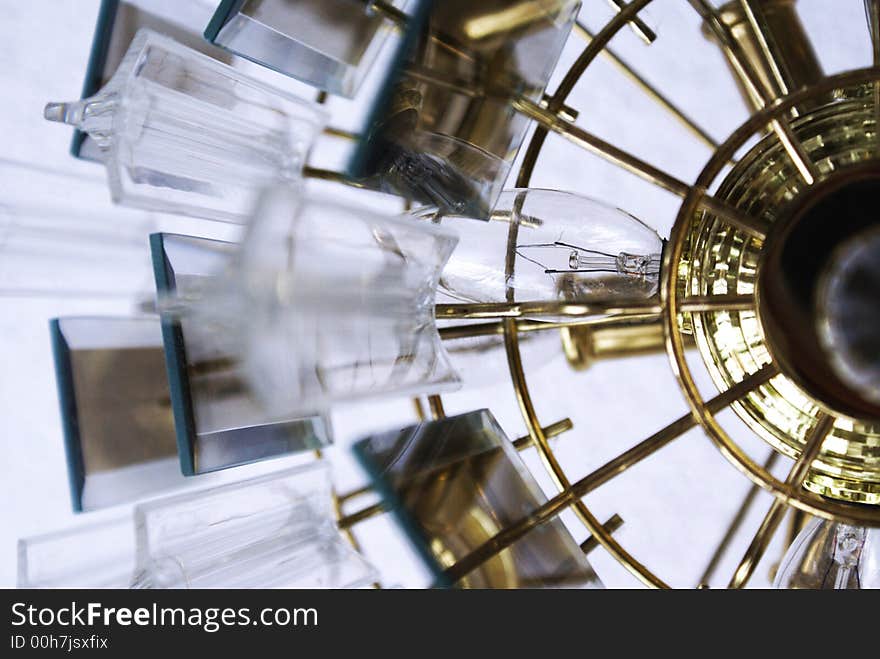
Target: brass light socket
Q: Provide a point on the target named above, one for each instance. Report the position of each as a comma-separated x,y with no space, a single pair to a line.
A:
616,337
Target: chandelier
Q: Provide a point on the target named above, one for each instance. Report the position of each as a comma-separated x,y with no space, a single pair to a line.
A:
424,261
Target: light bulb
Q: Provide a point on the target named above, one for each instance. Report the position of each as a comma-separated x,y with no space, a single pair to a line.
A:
545,245
829,555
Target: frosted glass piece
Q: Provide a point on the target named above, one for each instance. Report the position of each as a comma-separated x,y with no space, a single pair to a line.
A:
218,423
328,303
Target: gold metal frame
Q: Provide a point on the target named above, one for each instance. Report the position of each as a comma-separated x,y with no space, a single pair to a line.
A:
509,319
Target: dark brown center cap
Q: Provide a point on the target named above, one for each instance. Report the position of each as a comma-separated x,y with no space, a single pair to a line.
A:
804,249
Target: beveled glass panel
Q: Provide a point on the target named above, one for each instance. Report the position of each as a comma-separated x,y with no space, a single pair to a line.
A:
329,44
218,422
115,409
447,134
454,484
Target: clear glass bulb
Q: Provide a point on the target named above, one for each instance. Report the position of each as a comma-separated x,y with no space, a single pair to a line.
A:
828,555
545,245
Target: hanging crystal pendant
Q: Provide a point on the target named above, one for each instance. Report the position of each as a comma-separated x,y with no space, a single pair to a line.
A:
184,133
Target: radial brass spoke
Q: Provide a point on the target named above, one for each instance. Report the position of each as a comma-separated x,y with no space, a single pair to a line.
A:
353,494
735,524
549,308
775,514
664,436
389,11
331,175
806,167
576,491
342,133
638,26
715,303
553,430
520,444
435,403
566,112
495,327
600,147
758,545
810,450
733,216
336,502
574,73
467,88
634,165
371,511
764,36
652,92
419,409
872,13
614,522
801,159
692,304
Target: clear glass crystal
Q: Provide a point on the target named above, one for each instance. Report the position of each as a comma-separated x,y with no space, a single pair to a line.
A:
98,555
276,531
327,303
565,246
330,44
71,243
184,133
829,555
456,483
117,26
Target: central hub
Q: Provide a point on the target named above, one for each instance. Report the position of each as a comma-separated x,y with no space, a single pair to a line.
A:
814,292
799,252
